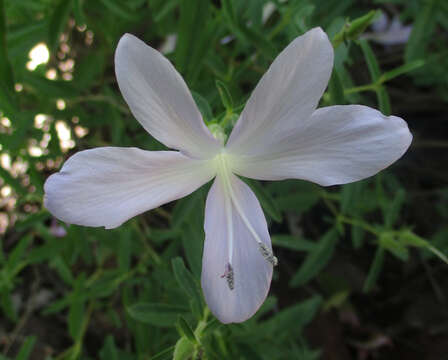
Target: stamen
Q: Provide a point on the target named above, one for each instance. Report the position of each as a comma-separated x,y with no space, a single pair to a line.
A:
267,254
224,171
228,274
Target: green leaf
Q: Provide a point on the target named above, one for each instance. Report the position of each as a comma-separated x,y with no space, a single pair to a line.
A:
407,237
389,242
224,93
211,326
162,315
89,70
351,197
6,73
352,30
266,200
62,268
259,41
120,9
183,209
185,329
403,69
294,317
109,350
375,270
336,300
32,220
186,280
79,13
194,35
203,105
293,243
49,88
316,259
124,250
167,7
76,311
58,22
192,241
7,305
357,236
164,354
27,347
393,208
422,30
372,63
375,73
184,349
229,12
336,89
18,253
13,182
299,202
49,250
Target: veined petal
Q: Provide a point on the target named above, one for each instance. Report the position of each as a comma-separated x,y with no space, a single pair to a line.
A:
107,186
287,94
228,241
160,99
340,144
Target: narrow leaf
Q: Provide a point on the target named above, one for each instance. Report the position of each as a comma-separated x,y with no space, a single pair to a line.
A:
58,21
375,270
185,329
184,349
6,73
266,200
163,315
186,280
316,260
27,347
403,69
164,354
224,93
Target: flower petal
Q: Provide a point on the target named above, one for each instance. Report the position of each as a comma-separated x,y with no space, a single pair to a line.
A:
287,94
160,99
251,272
107,186
338,145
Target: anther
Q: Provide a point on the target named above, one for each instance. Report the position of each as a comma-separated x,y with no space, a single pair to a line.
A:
228,274
267,254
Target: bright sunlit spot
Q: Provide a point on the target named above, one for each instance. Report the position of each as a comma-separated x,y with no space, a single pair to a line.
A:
5,122
35,151
60,104
5,161
64,135
4,221
51,74
6,191
39,120
39,54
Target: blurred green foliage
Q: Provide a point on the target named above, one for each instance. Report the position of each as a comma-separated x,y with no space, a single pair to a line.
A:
134,292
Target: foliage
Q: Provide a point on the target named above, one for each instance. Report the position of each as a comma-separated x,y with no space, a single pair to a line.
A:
134,292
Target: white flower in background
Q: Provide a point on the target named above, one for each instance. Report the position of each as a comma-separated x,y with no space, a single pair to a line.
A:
279,135
389,31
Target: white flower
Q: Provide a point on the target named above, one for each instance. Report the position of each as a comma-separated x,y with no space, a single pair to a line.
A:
279,135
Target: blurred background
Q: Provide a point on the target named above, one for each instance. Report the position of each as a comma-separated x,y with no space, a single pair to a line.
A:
363,267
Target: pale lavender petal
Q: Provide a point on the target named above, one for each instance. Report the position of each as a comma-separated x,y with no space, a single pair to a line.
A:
287,94
160,99
338,145
107,186
251,272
